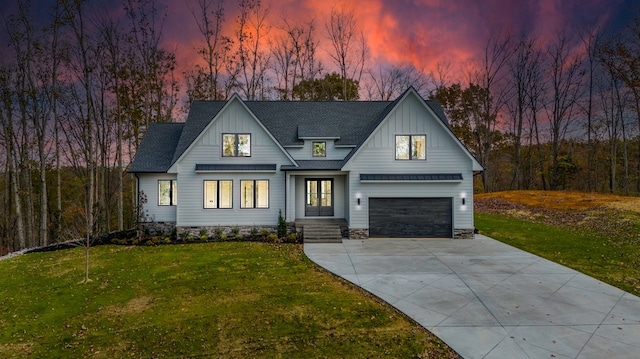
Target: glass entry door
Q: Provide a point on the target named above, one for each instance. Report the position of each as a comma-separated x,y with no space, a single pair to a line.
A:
319,201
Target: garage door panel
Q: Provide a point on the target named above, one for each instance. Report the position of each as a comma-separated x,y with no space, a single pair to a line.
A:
410,217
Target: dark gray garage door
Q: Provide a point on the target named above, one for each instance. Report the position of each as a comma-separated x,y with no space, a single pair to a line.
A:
410,217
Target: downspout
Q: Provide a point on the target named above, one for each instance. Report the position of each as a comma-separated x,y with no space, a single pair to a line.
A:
286,190
137,200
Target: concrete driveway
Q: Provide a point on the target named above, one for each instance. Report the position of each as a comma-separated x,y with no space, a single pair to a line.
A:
486,299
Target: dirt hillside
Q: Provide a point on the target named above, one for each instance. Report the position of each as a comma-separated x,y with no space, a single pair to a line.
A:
606,214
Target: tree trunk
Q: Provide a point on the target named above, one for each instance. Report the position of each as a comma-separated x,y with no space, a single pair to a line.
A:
22,241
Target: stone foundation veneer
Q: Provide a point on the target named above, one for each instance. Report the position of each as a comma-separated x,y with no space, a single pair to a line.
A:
466,233
165,229
358,233
363,233
159,228
211,230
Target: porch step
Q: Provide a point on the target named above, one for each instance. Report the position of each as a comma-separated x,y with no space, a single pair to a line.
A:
321,232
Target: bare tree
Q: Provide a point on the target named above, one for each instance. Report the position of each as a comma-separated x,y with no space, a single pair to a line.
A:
205,81
253,60
110,38
623,58
565,80
489,77
7,77
149,89
305,46
294,58
389,82
348,46
522,68
591,44
83,64
284,65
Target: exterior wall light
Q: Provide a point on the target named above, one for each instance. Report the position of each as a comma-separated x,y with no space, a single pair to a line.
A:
463,200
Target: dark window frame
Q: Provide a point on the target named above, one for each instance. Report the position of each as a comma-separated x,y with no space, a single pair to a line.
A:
172,183
255,194
236,143
324,149
204,192
410,156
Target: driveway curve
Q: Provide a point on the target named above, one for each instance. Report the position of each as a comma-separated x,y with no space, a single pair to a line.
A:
486,299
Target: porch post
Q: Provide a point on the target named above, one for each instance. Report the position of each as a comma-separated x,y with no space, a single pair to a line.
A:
290,194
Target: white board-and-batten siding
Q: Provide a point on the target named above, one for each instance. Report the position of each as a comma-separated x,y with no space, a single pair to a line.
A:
443,155
208,150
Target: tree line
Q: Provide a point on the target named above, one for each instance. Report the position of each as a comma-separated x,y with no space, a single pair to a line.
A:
79,87
553,114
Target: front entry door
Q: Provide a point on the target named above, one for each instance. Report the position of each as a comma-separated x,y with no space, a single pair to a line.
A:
319,200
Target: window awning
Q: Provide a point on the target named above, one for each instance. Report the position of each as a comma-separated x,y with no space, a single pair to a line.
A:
413,177
206,167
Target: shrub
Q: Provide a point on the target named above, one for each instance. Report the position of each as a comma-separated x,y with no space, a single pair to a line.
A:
218,232
264,232
223,237
167,240
272,238
254,231
203,232
239,237
184,235
204,237
282,225
235,230
292,238
190,239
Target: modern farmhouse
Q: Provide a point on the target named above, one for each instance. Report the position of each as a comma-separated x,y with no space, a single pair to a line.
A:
384,168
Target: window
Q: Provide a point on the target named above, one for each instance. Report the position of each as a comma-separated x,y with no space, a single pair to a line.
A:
410,147
319,149
167,192
236,145
218,194
254,194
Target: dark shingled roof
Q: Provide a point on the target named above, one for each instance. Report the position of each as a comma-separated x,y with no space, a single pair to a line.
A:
156,151
314,165
351,122
200,114
235,167
318,130
412,177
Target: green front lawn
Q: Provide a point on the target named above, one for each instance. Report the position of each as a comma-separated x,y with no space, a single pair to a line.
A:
231,300
611,259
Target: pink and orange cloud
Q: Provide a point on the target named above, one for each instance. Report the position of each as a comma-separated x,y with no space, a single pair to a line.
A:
422,33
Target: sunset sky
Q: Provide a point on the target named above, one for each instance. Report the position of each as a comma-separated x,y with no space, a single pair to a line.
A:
420,32
425,32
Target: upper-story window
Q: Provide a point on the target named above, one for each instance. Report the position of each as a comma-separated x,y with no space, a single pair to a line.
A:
319,149
411,147
236,145
167,192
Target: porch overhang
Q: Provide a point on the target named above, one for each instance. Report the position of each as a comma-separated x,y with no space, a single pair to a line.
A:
314,165
413,177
